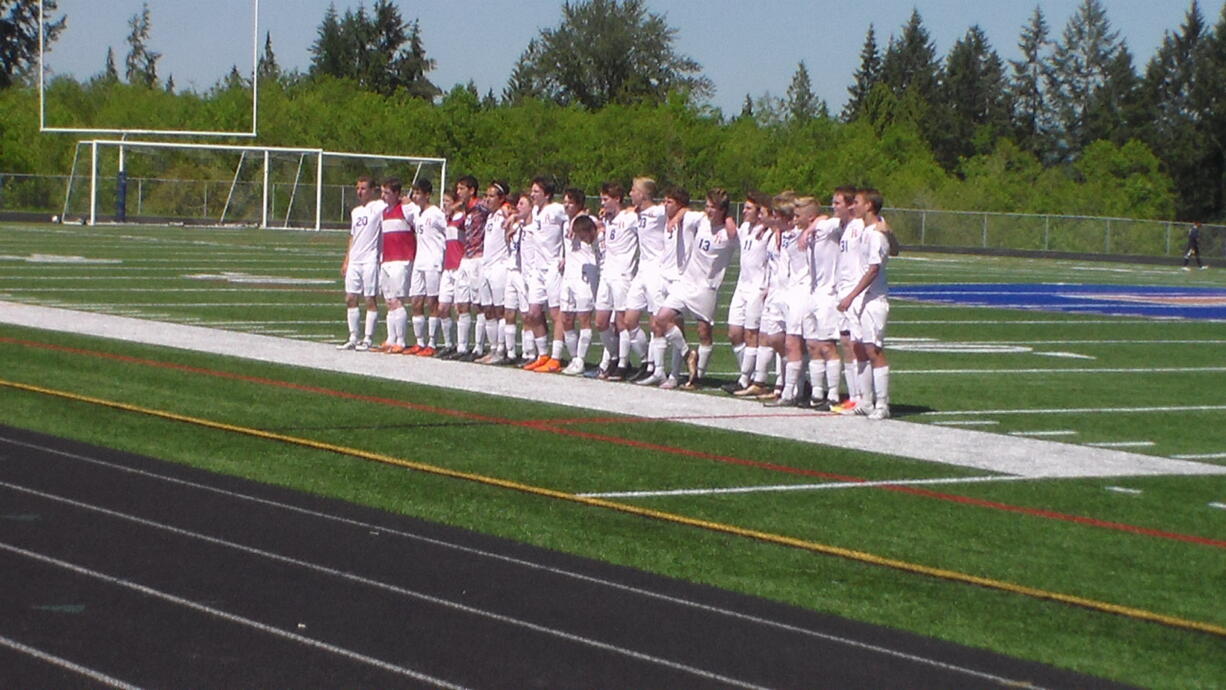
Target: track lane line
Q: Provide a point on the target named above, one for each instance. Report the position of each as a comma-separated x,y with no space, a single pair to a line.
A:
758,535
61,662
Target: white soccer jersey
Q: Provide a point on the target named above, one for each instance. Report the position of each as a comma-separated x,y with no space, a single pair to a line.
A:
545,247
710,257
876,251
651,237
776,262
851,256
824,256
431,238
752,275
620,244
797,260
366,229
515,247
580,263
678,243
494,248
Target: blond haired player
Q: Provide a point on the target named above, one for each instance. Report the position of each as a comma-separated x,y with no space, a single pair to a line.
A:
360,269
645,289
870,308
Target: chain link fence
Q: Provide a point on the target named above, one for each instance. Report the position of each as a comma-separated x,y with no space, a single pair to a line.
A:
963,230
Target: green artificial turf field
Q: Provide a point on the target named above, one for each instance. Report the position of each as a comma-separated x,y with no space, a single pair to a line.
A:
1157,544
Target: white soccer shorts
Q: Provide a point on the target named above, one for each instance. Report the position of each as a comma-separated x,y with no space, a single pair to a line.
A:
611,293
745,309
468,283
873,318
545,287
394,279
447,284
796,303
773,318
577,296
493,287
425,283
362,279
696,301
644,292
515,296
822,321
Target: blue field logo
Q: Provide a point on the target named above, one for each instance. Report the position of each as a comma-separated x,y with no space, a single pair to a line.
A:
1160,302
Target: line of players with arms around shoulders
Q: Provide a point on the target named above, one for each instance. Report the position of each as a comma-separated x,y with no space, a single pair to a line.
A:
808,283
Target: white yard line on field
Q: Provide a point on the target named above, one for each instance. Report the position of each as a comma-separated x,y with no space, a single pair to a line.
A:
776,488
927,442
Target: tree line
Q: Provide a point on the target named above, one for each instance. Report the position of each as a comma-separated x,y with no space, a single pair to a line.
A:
1070,127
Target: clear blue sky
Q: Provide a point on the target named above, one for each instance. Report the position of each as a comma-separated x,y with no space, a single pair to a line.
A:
744,47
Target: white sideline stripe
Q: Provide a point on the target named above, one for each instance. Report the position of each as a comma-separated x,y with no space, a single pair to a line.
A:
1049,322
1122,444
1055,432
1201,456
803,487
1125,490
1084,410
355,578
968,422
96,676
531,565
1069,370
1221,506
226,616
248,289
1057,342
964,447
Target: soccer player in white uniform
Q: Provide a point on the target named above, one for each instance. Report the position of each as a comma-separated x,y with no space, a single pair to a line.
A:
868,301
449,280
574,202
580,277
794,296
851,269
360,269
745,309
491,292
399,250
468,283
679,233
695,292
645,288
427,268
618,246
821,326
773,326
515,298
543,270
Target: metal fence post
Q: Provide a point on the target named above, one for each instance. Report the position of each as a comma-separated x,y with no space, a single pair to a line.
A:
1168,238
923,228
1046,233
985,231
1107,238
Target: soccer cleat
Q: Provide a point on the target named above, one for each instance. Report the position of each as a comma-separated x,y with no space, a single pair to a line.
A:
363,346
753,390
444,352
413,350
669,384
1205,267
551,366
820,405
769,395
1186,268
536,363
620,373
468,357
732,388
653,379
394,349
880,412
646,370
781,402
691,364
426,351
351,344
575,367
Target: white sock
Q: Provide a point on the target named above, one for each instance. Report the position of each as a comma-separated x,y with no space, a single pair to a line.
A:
541,344
749,361
556,351
850,372
419,330
585,342
492,329
444,326
623,348
865,373
763,364
572,342
608,338
791,378
881,385
480,334
638,342
834,370
704,359
738,351
529,343
508,338
372,322
463,323
658,346
676,339
397,326
817,378
353,318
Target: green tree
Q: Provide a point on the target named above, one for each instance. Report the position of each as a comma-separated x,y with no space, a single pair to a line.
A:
1032,114
1115,109
19,36
379,50
1209,102
607,51
975,98
747,108
110,75
141,63
268,68
1081,65
868,74
910,61
802,103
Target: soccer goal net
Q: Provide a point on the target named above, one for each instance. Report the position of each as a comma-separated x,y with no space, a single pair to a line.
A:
168,183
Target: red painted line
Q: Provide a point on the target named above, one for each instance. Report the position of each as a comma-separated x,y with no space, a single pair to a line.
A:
546,426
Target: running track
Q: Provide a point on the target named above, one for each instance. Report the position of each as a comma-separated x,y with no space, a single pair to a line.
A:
129,571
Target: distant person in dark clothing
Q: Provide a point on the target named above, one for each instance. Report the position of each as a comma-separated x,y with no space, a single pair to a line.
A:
1193,248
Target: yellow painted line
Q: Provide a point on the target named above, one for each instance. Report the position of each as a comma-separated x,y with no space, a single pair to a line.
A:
768,537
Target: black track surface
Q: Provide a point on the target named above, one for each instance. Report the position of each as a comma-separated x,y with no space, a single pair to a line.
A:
158,575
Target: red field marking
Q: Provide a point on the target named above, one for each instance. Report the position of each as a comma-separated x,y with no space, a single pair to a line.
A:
545,426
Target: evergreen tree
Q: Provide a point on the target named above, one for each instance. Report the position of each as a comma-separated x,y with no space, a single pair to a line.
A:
268,67
19,36
170,84
141,63
1208,105
110,74
524,82
607,51
490,101
379,50
1114,109
865,77
1081,64
747,108
973,97
1032,116
910,61
801,103
328,51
